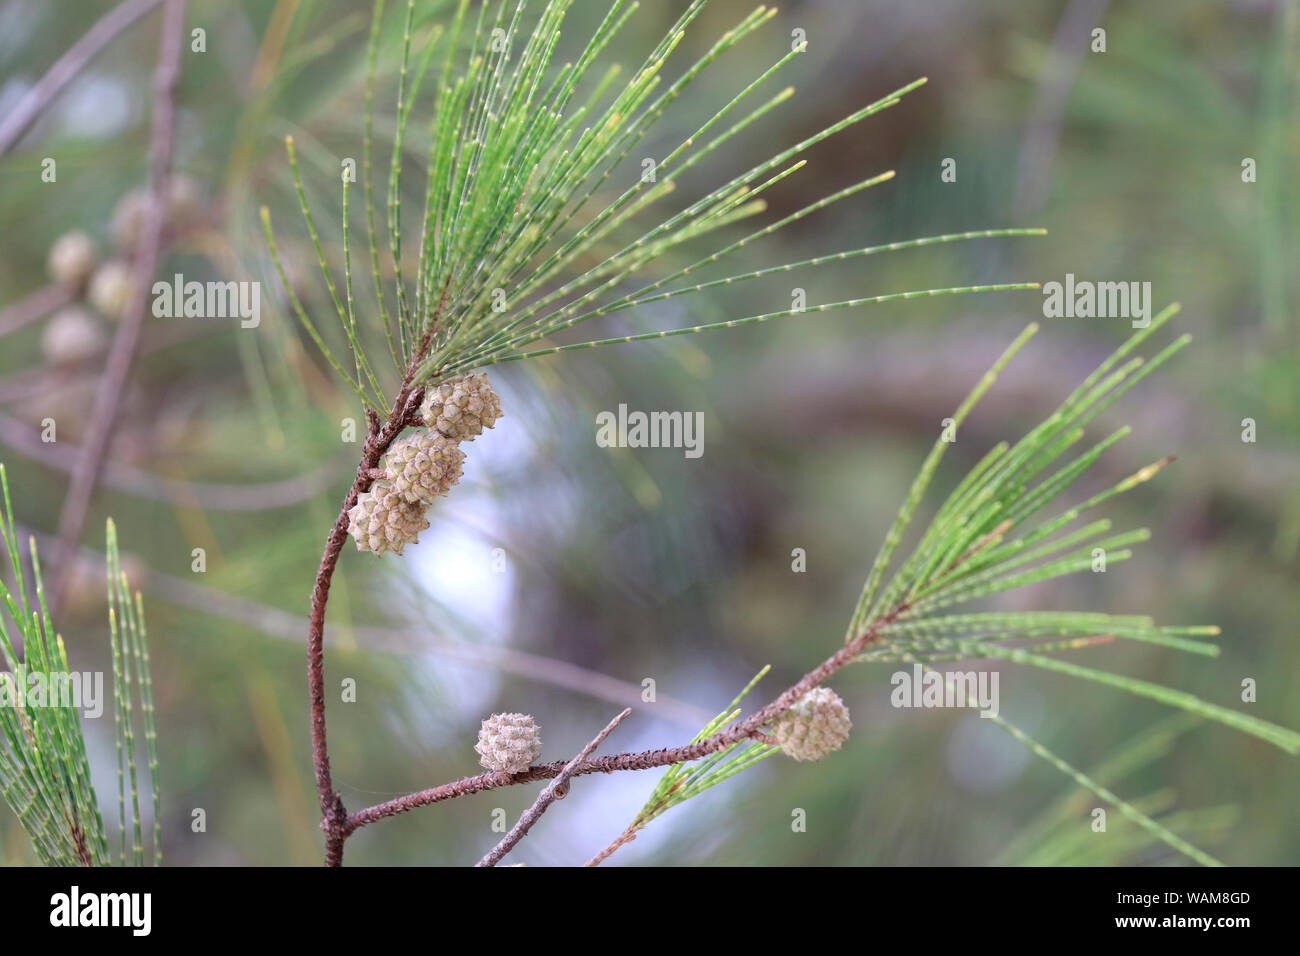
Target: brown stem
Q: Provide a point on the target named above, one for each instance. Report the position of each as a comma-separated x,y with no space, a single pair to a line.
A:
557,789
624,838
333,813
644,760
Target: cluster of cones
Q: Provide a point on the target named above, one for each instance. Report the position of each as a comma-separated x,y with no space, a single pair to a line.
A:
422,465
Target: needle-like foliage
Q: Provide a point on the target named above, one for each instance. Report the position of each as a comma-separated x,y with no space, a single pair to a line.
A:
680,782
993,534
44,769
1056,837
981,543
539,212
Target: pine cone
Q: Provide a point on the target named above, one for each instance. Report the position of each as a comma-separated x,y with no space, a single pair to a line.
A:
183,207
461,407
129,218
72,335
382,520
509,743
814,727
110,289
72,259
423,465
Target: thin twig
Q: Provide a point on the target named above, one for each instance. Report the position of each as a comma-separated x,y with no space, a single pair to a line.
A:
1043,131
555,790
44,382
282,625
108,397
215,496
645,760
34,307
79,55
623,839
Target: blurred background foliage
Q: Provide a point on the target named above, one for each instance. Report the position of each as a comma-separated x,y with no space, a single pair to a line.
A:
621,565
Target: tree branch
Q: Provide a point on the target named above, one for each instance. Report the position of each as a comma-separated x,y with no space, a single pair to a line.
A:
32,307
67,67
210,496
1042,134
645,760
557,789
333,814
281,625
120,359
623,839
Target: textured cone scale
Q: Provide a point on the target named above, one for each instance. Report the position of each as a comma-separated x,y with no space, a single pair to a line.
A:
461,407
509,743
814,727
382,520
423,465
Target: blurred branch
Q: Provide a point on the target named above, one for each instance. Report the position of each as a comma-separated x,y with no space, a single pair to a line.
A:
120,359
79,55
44,381
827,395
33,307
282,625
555,790
216,496
1043,132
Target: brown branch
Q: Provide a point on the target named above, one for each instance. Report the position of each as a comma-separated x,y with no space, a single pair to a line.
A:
623,839
555,790
78,56
333,814
109,394
644,760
